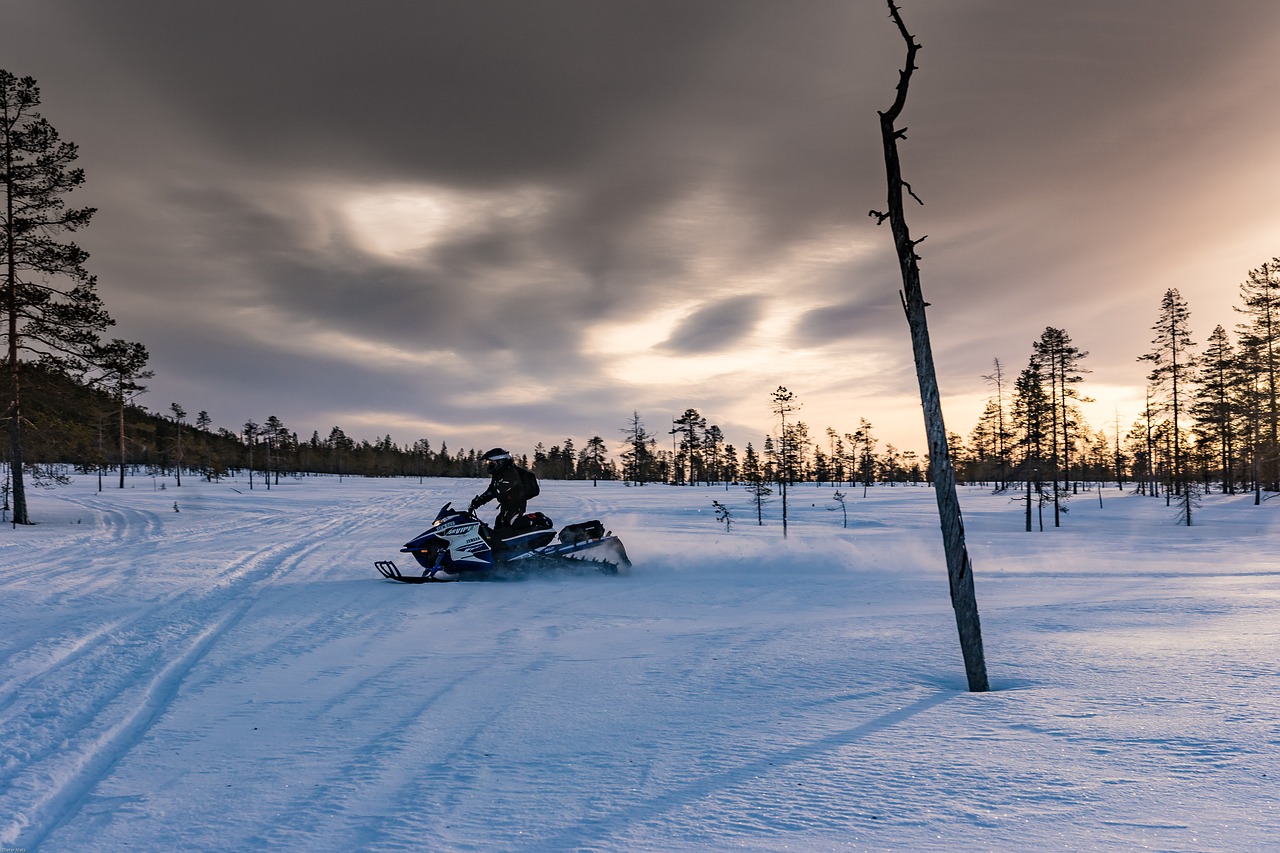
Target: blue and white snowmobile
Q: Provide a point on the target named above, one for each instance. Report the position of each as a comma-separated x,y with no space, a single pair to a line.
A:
460,547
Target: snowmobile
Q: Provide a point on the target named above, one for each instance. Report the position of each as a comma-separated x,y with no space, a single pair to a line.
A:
460,547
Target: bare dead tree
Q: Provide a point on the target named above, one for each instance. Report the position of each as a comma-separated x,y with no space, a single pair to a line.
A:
959,567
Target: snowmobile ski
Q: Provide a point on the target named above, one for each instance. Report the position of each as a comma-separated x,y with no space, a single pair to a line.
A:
391,571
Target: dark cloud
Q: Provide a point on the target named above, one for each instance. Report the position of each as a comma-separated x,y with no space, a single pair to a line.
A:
715,327
864,317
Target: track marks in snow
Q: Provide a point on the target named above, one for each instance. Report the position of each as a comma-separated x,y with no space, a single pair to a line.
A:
116,727
46,658
410,763
68,717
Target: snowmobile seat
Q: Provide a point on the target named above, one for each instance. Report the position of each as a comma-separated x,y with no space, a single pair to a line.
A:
532,529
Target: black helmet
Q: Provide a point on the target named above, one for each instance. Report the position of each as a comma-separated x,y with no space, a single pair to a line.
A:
496,459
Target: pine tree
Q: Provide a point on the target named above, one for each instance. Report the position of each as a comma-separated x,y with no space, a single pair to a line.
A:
119,366
1060,367
756,482
712,450
689,427
730,470
1251,364
1138,444
1031,416
251,431
783,404
865,442
835,456
271,431
421,452
1260,293
638,451
51,309
341,448
891,464
1118,458
569,459
1173,373
1215,408
594,455
179,416
1098,461
999,430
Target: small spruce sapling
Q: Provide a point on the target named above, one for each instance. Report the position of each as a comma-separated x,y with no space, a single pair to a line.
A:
723,515
839,497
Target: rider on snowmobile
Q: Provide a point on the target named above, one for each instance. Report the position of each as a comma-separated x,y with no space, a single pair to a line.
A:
506,484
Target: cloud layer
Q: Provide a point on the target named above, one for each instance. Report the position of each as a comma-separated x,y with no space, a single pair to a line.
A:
511,221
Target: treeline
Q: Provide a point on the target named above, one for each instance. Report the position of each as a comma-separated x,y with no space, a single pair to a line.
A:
78,425
1211,420
72,424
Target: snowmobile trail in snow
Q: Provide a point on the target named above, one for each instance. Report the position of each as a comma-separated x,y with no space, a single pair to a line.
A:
134,667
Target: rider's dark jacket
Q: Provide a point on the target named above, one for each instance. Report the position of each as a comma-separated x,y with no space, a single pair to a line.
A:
505,485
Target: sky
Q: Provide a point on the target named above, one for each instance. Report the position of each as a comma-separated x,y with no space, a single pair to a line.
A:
512,221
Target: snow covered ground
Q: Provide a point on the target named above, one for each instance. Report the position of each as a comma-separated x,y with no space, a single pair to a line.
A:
236,676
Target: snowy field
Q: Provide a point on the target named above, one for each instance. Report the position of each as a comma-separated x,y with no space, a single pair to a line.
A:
236,676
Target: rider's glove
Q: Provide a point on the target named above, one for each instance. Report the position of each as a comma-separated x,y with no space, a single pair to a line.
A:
475,505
